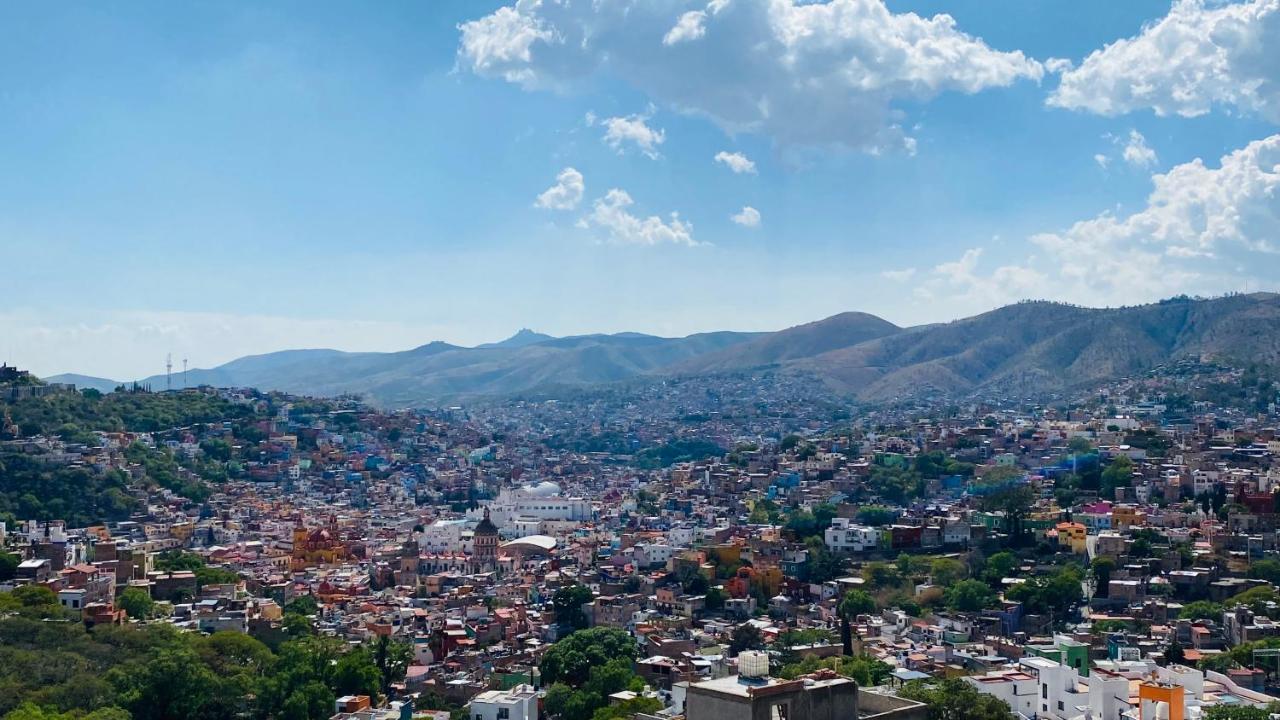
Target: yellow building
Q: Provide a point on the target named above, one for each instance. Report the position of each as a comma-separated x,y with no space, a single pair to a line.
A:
1127,516
320,546
1073,535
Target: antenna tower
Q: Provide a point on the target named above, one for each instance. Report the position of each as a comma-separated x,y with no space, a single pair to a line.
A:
168,372
184,373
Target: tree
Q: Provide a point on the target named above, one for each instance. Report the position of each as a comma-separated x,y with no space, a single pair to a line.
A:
1266,569
1201,610
568,602
1101,569
570,660
137,603
1004,490
946,571
1000,566
955,699
356,673
854,603
1080,445
392,659
1117,474
745,637
714,599
876,515
969,596
8,561
1174,654
1236,712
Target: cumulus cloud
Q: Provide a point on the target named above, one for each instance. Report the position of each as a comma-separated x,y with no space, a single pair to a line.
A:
805,73
690,26
611,215
1136,151
565,194
1203,230
1102,160
736,161
747,217
962,280
1198,56
634,130
1194,214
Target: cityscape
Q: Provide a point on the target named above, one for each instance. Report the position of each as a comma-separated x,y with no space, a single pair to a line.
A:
341,379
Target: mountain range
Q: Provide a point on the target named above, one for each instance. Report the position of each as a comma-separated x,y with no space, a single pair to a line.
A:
1027,348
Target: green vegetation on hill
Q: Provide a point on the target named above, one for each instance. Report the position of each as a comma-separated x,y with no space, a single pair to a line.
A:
32,489
52,668
674,451
70,415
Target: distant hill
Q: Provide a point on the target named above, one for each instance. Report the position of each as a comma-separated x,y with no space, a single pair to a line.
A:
801,341
85,381
525,336
1028,348
1037,347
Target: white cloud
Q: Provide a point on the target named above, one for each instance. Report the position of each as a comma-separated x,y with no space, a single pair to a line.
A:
610,214
1102,160
899,275
736,161
633,129
502,43
805,73
1195,213
690,26
1137,153
747,217
1203,230
961,280
1198,56
565,194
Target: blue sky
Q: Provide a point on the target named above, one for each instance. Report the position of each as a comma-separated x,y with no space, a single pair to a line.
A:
219,179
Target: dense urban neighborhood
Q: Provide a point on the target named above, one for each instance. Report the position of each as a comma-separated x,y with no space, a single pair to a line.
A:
675,550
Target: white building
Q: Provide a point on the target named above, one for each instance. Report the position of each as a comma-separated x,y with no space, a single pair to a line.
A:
534,503
518,703
846,537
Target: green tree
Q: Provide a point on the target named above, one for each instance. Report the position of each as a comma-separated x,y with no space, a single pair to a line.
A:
1201,610
854,603
1236,712
1101,569
1004,490
568,602
392,658
570,660
955,699
137,603
969,596
999,566
745,637
8,561
714,599
946,571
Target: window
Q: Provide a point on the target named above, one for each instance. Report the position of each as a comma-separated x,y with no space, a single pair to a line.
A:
504,713
1059,706
779,711
1044,690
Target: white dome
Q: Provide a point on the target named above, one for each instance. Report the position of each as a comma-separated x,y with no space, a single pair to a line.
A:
546,488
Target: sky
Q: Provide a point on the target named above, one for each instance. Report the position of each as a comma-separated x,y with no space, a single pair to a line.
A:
211,180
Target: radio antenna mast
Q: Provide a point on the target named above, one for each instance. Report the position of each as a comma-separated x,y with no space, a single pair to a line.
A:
184,373
168,372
